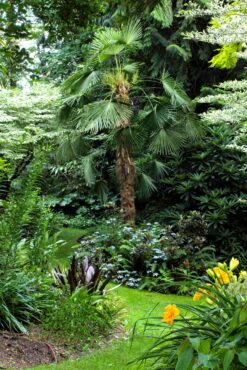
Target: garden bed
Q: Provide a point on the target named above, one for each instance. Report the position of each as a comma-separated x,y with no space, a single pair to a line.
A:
20,351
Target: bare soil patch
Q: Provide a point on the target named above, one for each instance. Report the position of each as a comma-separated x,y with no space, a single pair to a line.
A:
19,351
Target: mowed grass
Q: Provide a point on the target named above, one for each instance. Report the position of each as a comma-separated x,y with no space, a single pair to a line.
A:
117,355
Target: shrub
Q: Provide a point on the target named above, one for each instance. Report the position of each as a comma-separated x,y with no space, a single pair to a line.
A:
210,336
23,298
82,317
144,256
208,177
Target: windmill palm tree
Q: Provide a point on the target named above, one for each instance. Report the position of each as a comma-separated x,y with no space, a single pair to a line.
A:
108,101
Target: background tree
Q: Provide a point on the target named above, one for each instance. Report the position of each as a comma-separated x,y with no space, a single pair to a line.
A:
109,100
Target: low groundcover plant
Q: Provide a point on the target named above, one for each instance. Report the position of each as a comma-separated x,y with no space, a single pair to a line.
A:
209,335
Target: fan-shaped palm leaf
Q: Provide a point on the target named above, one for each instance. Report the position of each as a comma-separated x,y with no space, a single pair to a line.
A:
129,137
131,33
166,141
104,115
192,126
157,169
175,91
110,42
131,68
146,185
158,116
89,170
81,81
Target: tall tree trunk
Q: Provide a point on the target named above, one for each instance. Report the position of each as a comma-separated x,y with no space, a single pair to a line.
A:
125,167
126,177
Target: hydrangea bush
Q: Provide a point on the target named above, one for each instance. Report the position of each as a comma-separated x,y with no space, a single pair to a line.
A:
149,256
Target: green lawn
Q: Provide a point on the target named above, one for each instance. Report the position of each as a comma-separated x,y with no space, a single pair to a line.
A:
118,353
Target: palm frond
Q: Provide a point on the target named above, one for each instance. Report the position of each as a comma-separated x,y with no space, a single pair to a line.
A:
103,40
129,137
89,169
101,190
81,81
193,127
111,42
104,114
166,141
173,89
157,169
146,185
72,147
159,115
131,68
131,33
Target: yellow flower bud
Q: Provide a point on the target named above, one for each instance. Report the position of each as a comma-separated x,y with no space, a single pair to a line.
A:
210,273
242,275
233,278
222,266
233,264
209,301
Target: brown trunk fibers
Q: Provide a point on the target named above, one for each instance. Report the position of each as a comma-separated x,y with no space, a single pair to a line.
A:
125,167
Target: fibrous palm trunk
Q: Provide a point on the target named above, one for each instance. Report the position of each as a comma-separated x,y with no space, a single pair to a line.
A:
125,167
126,177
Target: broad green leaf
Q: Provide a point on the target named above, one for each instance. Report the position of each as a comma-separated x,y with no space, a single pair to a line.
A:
185,356
205,346
195,342
242,356
228,358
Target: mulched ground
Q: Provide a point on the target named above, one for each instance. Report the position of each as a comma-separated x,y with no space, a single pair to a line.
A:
18,351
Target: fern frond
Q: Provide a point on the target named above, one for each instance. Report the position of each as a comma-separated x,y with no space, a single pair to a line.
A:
178,50
163,13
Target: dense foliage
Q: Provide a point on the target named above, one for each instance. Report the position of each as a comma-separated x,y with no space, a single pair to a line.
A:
125,123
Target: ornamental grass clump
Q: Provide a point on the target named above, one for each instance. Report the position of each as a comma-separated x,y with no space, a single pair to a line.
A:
208,334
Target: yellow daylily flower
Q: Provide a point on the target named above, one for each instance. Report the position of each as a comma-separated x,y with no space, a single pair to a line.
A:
170,313
221,276
197,296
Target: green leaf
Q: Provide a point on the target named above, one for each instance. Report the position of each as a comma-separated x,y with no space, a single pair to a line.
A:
146,186
175,91
185,356
163,13
242,356
178,50
228,358
104,115
205,346
195,342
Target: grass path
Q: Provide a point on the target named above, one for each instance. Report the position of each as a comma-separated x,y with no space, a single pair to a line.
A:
118,354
